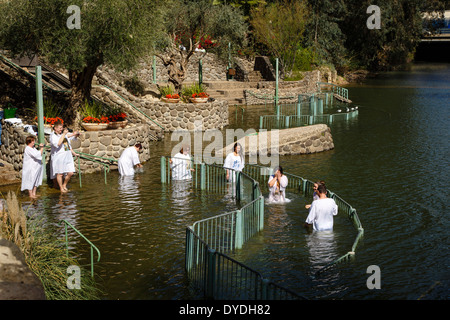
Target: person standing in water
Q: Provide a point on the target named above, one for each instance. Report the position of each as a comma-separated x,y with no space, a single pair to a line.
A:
322,212
32,167
277,186
129,159
62,154
234,161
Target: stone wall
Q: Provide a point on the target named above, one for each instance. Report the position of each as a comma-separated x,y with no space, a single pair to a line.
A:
288,91
170,116
106,144
301,140
213,69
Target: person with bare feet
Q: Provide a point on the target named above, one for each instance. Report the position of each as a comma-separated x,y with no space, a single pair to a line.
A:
32,167
62,165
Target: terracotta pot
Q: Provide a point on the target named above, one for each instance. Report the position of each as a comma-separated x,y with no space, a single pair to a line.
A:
94,126
117,124
199,100
167,100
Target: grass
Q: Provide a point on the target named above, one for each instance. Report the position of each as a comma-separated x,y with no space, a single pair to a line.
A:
45,255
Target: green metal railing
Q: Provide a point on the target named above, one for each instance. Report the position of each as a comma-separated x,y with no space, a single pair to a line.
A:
308,110
93,247
210,270
93,158
334,88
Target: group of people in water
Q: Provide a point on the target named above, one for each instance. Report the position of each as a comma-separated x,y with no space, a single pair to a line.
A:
321,211
62,166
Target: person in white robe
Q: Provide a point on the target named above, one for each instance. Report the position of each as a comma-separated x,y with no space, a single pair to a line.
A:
32,167
234,161
315,193
62,165
180,164
277,186
322,212
129,159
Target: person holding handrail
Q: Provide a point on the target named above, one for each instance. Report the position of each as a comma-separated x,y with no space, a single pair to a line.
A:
62,165
321,213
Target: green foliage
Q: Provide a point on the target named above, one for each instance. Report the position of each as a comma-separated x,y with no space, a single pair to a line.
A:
189,90
280,27
165,90
93,109
186,22
135,86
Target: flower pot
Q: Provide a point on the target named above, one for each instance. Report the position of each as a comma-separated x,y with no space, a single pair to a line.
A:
94,126
117,124
199,100
169,100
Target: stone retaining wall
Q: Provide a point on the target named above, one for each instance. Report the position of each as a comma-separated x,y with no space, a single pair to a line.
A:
301,140
170,116
288,91
106,143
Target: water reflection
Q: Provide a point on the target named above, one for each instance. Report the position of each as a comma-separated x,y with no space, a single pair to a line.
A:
322,248
129,193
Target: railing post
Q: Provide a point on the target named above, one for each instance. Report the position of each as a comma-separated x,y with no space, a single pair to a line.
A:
202,177
40,114
211,274
261,213
163,169
265,289
239,227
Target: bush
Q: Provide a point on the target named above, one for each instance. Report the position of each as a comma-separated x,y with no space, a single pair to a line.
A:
134,86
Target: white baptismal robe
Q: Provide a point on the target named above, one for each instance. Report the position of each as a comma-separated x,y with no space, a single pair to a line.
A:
181,167
279,196
62,159
321,214
32,169
128,159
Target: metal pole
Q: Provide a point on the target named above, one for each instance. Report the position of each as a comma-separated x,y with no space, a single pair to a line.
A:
40,115
154,69
276,83
163,169
200,72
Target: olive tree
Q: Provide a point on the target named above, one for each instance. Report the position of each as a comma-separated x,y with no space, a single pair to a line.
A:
197,24
116,32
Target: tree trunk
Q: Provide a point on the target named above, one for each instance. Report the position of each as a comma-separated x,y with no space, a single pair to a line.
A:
81,84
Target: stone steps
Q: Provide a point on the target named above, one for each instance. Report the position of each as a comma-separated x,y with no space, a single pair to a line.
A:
232,91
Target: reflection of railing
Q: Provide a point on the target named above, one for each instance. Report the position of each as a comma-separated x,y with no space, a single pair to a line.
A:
210,270
66,223
304,187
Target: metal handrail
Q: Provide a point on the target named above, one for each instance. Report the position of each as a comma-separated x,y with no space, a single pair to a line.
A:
66,223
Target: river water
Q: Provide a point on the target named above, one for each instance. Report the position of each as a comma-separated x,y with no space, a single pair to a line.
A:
390,163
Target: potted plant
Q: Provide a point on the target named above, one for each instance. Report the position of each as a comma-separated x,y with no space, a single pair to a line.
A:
168,95
95,124
195,93
117,120
93,117
200,97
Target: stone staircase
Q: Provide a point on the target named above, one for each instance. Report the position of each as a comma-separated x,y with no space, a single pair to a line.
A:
232,90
